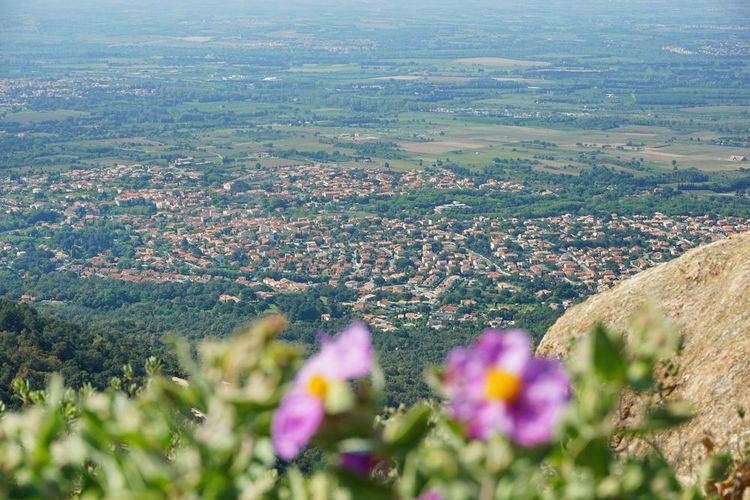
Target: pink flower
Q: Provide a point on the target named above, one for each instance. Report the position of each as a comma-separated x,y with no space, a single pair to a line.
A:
431,495
497,387
347,357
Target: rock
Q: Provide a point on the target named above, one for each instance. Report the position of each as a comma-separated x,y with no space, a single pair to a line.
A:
706,296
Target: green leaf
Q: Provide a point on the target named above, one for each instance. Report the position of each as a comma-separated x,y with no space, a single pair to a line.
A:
717,467
337,428
297,484
339,398
662,417
405,431
669,415
364,487
608,356
595,456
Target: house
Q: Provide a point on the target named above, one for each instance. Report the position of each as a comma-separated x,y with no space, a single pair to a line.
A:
446,313
224,298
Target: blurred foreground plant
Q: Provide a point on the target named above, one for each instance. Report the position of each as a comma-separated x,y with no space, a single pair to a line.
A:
512,426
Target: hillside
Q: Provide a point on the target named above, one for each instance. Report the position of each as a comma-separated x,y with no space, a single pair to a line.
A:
33,346
706,295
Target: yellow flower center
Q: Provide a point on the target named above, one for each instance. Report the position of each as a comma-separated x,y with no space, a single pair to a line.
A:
317,386
502,386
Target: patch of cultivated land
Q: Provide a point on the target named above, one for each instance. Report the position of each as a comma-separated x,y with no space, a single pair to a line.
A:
323,68
438,147
403,78
434,78
28,116
650,153
474,143
718,109
645,131
500,62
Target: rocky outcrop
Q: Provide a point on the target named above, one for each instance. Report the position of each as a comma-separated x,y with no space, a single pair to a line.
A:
706,296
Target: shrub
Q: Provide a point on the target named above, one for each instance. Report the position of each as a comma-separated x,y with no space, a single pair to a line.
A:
505,425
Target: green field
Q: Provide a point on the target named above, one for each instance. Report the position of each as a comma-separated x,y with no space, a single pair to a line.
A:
31,117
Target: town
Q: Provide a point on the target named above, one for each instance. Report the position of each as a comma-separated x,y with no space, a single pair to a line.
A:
288,228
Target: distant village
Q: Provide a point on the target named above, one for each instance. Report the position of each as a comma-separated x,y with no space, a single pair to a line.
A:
171,226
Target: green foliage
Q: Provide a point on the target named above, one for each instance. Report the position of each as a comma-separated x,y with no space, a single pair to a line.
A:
33,347
609,363
209,436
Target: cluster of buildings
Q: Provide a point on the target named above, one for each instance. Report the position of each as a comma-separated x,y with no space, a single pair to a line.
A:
22,92
598,252
178,228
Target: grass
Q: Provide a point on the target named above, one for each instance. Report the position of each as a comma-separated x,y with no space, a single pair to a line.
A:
326,68
718,109
216,106
28,116
500,62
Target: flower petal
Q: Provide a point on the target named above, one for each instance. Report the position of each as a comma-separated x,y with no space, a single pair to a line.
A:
347,356
510,350
490,419
296,421
361,462
542,403
431,495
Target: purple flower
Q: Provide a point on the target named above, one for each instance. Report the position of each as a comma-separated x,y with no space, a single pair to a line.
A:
496,387
346,357
360,462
